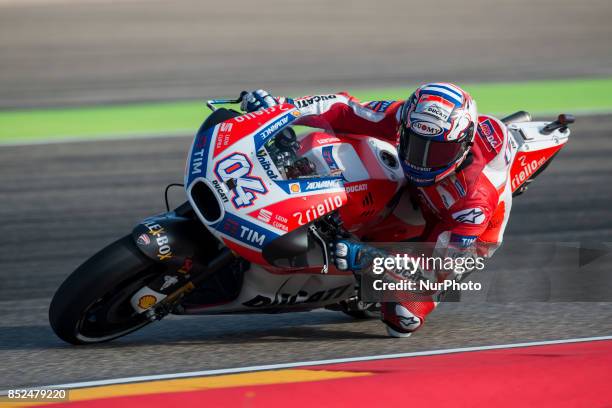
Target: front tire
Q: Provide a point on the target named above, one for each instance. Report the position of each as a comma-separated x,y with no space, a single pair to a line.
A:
93,303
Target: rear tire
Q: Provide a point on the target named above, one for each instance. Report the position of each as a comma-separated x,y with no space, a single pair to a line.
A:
93,303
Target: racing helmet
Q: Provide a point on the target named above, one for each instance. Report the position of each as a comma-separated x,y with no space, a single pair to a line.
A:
437,127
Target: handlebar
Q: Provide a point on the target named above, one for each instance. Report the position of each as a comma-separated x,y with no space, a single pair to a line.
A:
212,102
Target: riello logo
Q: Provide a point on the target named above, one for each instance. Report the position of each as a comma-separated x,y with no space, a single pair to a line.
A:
527,170
317,210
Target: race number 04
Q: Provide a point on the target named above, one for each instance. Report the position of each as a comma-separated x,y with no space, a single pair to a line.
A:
237,167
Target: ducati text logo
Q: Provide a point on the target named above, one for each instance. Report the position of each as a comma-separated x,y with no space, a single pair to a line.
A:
297,298
302,103
470,216
354,188
237,168
436,110
219,189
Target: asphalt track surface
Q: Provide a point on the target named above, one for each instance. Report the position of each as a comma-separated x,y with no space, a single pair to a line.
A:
75,52
61,202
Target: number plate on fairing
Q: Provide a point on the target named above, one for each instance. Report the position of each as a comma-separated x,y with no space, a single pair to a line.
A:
256,204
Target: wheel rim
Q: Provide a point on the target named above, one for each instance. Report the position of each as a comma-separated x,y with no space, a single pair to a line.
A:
112,315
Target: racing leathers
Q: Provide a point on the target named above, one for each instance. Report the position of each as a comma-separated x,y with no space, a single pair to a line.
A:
465,213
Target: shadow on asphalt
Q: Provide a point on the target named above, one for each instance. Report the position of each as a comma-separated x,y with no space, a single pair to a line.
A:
209,330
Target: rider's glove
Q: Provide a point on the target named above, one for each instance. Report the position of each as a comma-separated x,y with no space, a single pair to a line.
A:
354,255
256,100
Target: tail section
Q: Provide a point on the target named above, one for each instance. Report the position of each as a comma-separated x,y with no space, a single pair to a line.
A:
535,144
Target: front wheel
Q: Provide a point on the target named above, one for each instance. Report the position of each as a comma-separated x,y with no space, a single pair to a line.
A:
93,303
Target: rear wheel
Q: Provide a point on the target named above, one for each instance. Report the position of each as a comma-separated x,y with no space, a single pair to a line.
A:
93,304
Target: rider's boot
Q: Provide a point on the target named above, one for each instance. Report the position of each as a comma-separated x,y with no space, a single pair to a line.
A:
404,318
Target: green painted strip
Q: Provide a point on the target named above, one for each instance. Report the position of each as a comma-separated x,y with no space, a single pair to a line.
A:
538,97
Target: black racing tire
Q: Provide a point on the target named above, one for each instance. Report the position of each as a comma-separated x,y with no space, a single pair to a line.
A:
93,303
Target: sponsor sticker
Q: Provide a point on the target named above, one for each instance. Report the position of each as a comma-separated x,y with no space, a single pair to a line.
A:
425,128
264,215
528,168
379,106
164,250
146,301
458,186
446,196
487,132
309,100
296,298
168,281
276,220
223,135
245,231
317,210
143,239
354,188
463,241
268,166
322,184
295,188
435,106
328,156
470,216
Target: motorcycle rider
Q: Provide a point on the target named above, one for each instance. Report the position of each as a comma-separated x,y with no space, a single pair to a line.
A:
456,163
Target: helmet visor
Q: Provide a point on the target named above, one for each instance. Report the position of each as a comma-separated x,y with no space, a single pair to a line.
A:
425,153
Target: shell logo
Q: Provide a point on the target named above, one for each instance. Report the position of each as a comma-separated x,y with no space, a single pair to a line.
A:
146,301
295,187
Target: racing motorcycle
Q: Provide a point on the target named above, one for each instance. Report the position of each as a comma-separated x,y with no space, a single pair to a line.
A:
263,204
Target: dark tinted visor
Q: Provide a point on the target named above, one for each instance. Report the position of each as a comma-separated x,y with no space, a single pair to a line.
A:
423,152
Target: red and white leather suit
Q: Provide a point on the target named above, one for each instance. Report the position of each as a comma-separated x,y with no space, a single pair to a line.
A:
468,207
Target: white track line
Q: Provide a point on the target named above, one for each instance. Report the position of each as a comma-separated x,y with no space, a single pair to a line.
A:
128,380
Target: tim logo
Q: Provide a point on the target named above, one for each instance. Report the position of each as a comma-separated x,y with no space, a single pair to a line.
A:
235,171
